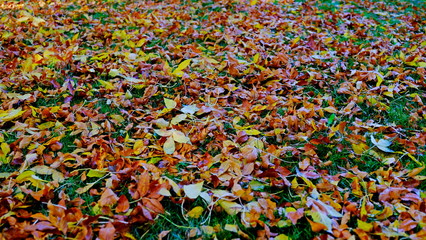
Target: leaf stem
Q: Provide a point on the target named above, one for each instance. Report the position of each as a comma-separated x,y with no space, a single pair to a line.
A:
174,224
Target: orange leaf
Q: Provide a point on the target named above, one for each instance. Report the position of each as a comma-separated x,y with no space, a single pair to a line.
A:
122,205
143,185
108,198
317,227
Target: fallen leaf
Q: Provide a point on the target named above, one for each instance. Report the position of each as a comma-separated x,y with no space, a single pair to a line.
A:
170,103
180,137
317,227
193,190
178,71
95,173
11,114
196,212
231,208
189,109
382,144
122,204
108,198
169,146
107,232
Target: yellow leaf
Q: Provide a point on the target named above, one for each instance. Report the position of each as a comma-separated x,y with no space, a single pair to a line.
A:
282,237
363,211
106,85
22,19
256,58
85,188
46,125
252,132
231,208
196,212
253,2
96,173
421,64
24,176
178,71
169,146
255,142
296,40
193,190
367,227
9,115
5,148
170,103
209,230
180,137
184,64
402,56
379,80
161,123
414,159
359,148
117,118
139,144
37,58
179,118
413,64
130,236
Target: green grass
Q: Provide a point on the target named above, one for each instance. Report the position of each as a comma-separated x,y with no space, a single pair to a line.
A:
180,226
70,186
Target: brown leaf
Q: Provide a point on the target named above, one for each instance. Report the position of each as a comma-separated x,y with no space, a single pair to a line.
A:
250,153
108,198
142,185
107,232
122,205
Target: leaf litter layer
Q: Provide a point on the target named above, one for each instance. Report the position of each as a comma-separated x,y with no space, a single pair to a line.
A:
212,119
